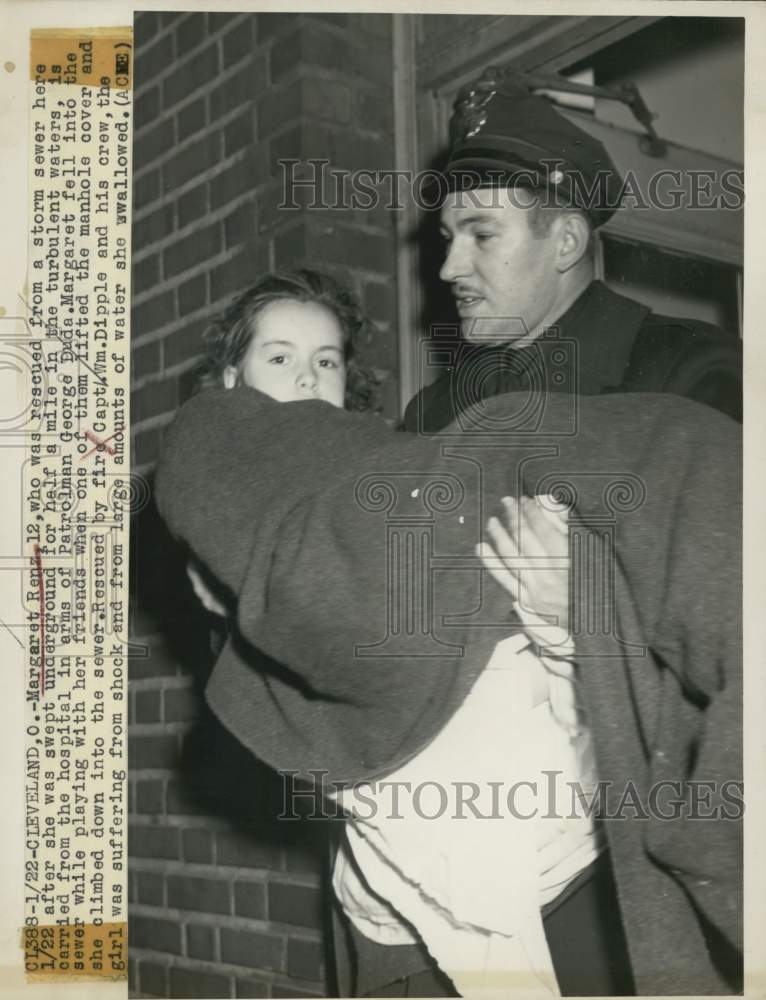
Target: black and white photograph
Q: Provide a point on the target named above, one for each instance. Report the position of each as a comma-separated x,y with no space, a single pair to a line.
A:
436,601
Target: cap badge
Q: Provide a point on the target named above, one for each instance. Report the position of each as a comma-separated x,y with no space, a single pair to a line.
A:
471,113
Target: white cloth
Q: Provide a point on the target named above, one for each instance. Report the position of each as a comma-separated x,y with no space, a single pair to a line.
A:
472,880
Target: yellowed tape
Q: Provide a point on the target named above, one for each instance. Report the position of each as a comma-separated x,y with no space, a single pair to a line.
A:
75,951
91,57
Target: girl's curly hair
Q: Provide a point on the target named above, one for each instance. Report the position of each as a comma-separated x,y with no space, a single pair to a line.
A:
227,339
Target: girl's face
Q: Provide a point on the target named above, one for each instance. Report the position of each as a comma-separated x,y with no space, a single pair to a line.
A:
295,353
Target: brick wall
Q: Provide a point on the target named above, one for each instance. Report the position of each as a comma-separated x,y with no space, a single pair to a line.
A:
224,903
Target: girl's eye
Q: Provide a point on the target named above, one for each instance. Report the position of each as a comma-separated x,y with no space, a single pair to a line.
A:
328,363
278,359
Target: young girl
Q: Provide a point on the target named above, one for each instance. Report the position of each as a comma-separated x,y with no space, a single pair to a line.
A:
293,335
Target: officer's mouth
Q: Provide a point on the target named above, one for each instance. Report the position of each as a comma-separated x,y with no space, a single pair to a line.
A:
467,303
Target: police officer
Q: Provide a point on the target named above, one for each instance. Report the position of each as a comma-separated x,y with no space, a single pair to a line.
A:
525,190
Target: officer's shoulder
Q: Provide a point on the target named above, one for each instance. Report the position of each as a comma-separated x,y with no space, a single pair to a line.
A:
685,331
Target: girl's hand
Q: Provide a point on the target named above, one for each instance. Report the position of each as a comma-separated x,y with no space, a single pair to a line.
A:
529,555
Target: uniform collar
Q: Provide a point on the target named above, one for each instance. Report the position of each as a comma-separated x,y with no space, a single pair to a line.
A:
604,326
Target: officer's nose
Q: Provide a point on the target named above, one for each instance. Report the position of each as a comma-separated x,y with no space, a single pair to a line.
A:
456,264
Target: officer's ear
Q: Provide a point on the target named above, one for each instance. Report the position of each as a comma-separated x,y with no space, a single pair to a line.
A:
575,240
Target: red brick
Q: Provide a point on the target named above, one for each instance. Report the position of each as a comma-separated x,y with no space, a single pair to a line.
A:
193,249
305,959
241,224
148,706
190,32
290,994
152,314
270,214
258,951
250,900
152,227
146,107
146,274
145,28
312,44
251,989
152,978
271,24
291,245
200,942
198,846
278,107
308,855
243,850
309,141
150,888
192,295
191,983
169,19
380,25
295,904
150,796
181,800
242,176
365,249
238,272
185,343
159,662
193,73
146,188
191,119
152,60
238,133
145,360
154,842
192,205
372,62
238,42
375,109
242,87
203,894
153,751
218,22
154,398
325,17
180,704
154,142
191,161
159,935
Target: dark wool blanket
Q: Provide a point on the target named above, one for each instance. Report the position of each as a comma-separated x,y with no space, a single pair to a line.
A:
363,617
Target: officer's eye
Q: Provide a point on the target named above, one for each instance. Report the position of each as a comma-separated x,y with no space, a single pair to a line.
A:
482,237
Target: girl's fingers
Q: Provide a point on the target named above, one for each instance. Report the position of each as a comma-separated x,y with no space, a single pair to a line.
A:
494,564
503,541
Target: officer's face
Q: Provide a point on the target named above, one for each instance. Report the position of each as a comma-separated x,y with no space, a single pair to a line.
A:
504,279
296,353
